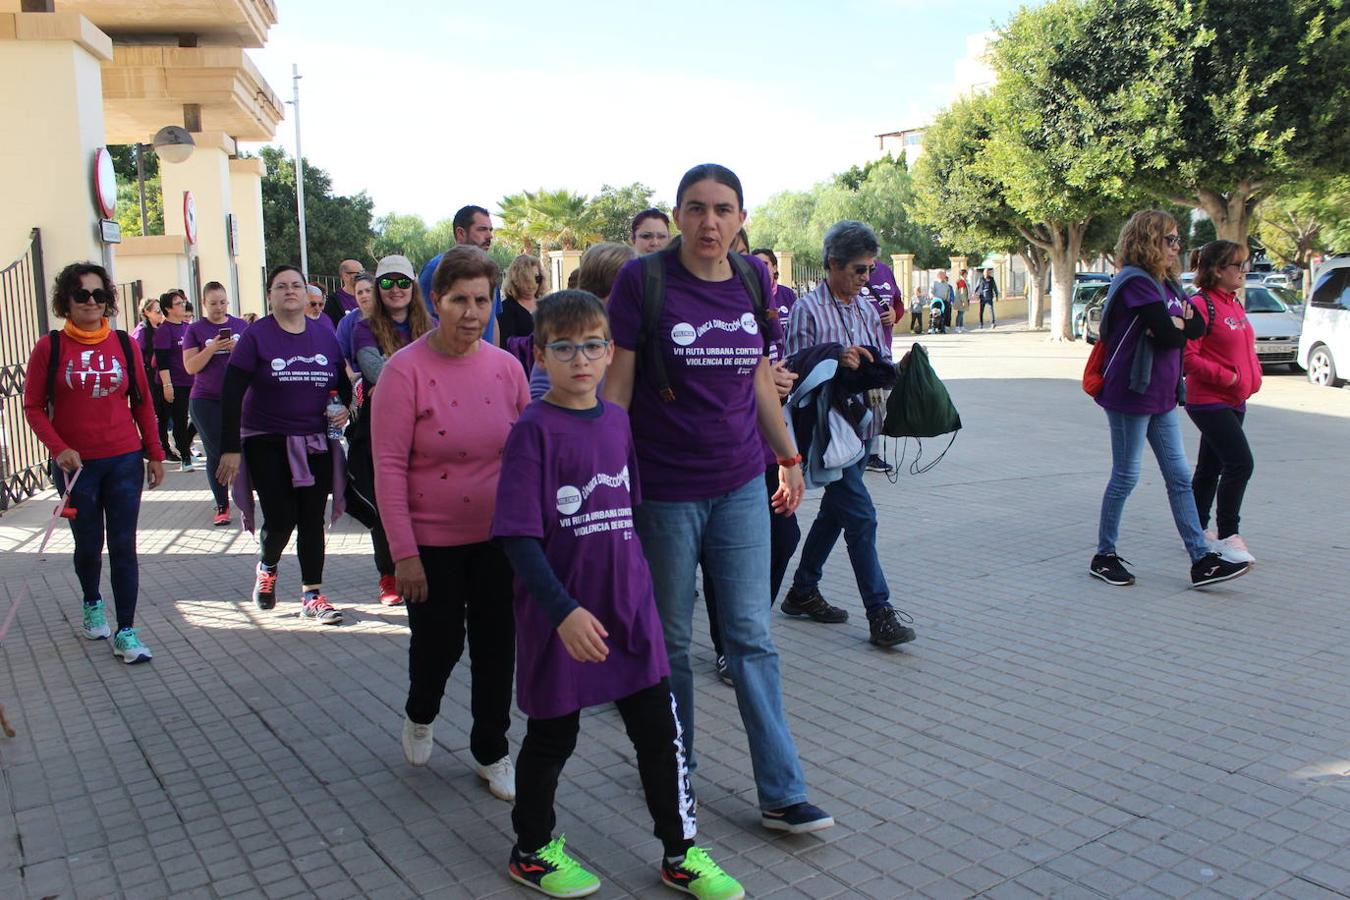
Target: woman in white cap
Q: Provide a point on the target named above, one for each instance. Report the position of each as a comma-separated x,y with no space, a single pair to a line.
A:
398,316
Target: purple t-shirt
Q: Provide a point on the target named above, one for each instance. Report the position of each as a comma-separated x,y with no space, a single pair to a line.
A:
571,482
363,336
706,441
290,376
347,300
883,293
1124,331
210,381
784,299
169,336
344,334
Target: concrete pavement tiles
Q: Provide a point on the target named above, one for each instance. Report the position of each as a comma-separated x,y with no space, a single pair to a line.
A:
1045,735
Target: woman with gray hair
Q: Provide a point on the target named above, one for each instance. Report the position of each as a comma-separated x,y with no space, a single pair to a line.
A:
833,313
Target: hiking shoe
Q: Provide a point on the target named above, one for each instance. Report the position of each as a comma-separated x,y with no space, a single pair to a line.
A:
724,671
550,870
500,777
128,646
222,516
317,609
417,742
1232,548
95,626
799,818
1108,567
265,587
876,464
1213,568
808,602
697,874
886,629
389,591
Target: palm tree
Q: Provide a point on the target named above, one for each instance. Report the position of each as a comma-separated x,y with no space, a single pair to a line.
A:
566,219
518,222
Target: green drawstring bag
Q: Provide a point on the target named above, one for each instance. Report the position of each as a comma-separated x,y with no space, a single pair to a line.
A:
920,407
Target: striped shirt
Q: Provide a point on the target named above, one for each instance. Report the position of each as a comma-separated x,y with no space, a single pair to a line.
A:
818,318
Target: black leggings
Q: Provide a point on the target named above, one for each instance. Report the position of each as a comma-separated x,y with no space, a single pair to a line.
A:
468,589
990,304
287,508
1224,467
183,431
649,717
784,536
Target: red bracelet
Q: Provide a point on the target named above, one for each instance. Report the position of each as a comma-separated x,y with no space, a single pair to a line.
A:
791,461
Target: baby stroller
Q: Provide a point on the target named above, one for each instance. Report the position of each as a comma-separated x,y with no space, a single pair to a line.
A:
937,317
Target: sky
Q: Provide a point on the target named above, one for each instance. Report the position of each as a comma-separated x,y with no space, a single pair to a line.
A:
428,106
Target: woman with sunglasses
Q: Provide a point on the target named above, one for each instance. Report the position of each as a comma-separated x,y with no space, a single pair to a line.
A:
521,287
1146,321
206,355
397,318
276,437
144,336
444,407
78,407
175,381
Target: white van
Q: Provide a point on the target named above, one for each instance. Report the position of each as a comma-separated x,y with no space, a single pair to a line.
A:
1324,344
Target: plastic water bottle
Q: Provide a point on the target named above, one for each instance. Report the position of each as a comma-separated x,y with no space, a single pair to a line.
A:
333,410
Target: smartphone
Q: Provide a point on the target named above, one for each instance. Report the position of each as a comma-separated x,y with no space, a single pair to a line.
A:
224,334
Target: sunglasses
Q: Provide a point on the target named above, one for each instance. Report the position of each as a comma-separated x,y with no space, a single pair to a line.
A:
386,283
864,270
97,295
1173,240
566,351
538,279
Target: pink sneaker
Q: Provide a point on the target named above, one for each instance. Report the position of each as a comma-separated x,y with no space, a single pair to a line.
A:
389,595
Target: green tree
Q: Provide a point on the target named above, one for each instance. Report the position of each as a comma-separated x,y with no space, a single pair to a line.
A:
614,208
406,235
336,226
537,221
129,206
1306,218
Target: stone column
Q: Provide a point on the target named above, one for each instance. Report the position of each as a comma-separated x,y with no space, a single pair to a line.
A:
957,264
52,110
785,268
250,257
206,173
561,265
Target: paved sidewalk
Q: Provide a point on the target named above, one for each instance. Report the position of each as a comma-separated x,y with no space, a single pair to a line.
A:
1046,734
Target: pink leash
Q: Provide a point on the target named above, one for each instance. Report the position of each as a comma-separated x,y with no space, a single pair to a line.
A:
13,608
56,513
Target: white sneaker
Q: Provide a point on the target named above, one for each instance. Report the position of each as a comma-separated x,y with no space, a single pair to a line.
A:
1233,548
500,777
417,742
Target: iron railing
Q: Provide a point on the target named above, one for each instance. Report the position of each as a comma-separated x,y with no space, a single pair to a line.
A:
23,321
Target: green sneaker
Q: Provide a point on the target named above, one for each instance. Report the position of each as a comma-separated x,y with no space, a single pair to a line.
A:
551,871
697,874
128,646
95,622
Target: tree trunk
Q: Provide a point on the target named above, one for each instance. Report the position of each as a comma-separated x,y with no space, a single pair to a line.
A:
1231,212
1067,241
1036,261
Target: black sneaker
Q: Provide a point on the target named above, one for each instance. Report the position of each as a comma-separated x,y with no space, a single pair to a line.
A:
1213,568
876,464
1107,567
800,818
886,628
265,588
810,603
723,672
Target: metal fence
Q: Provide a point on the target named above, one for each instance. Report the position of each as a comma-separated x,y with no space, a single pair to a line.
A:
329,283
806,278
23,320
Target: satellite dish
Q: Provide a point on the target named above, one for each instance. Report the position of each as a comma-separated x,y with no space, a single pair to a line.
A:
174,143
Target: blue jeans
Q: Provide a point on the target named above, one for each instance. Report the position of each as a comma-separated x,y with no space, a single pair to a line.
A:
1163,431
846,507
205,415
108,491
731,532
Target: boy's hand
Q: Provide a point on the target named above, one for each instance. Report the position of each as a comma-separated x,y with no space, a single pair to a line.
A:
583,636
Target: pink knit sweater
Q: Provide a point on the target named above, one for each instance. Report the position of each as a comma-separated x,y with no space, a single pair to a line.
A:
438,427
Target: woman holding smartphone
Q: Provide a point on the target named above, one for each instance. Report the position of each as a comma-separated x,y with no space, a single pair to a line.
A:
206,354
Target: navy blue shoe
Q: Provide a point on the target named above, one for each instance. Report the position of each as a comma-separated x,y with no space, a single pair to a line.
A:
799,818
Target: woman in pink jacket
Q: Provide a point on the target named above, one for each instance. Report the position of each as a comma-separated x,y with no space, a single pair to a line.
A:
1222,371
439,423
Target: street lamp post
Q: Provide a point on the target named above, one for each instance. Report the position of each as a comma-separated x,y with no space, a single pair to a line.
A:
299,171
172,144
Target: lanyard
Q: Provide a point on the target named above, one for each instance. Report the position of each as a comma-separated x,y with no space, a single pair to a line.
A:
843,321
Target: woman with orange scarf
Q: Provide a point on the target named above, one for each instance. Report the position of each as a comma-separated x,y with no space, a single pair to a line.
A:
93,411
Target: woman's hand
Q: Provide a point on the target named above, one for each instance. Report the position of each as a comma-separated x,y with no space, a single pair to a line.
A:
228,468
791,489
168,392
888,317
1235,379
340,420
853,357
410,579
154,473
783,379
68,459
584,636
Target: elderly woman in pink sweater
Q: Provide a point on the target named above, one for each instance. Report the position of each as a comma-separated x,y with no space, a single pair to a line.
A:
439,422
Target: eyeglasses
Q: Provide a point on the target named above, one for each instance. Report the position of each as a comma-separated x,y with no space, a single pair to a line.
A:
538,279
566,351
386,283
864,270
97,295
1173,240
289,286
315,304
1243,266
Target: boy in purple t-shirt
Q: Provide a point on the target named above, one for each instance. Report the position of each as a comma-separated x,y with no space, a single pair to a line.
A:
587,628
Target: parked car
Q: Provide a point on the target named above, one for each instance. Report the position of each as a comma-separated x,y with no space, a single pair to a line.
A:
1084,292
1276,326
1324,343
1277,279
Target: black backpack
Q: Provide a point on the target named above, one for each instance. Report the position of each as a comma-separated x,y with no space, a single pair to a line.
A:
654,302
54,362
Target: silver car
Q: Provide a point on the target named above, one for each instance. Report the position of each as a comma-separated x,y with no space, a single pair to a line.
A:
1277,327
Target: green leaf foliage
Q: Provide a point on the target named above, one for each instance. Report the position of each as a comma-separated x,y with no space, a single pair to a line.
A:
337,227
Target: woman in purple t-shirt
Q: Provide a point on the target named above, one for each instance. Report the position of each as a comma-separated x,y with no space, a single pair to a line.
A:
699,440
1146,322
206,355
175,381
274,408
